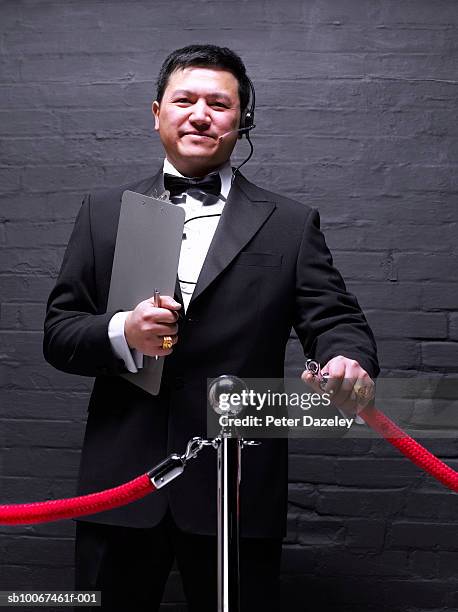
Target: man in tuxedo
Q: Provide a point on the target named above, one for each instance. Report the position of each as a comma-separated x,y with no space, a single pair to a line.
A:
252,265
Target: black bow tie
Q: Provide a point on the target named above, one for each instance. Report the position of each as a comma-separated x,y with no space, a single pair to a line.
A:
178,184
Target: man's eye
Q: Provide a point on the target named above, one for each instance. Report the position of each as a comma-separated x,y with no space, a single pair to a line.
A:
182,101
219,104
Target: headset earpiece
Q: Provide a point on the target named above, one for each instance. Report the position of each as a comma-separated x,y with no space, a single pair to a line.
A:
247,119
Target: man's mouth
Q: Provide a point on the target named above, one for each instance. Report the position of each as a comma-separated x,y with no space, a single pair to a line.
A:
199,135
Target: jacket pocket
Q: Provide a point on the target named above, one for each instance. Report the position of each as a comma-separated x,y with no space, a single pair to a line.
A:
263,260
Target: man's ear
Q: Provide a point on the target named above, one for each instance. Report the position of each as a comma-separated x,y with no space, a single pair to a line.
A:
155,108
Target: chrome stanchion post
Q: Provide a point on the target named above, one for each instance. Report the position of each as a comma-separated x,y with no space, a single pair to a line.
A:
228,524
229,471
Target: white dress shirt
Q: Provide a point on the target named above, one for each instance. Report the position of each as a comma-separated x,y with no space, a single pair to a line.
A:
197,236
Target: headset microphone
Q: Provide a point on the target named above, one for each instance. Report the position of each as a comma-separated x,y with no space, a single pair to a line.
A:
244,130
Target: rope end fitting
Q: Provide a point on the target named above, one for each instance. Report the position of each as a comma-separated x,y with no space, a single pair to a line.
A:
166,471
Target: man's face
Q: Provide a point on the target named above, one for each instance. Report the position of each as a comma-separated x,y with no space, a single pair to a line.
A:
198,106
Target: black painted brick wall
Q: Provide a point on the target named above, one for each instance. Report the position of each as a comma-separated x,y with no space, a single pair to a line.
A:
357,116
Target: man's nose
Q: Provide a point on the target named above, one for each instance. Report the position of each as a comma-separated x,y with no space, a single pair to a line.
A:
200,113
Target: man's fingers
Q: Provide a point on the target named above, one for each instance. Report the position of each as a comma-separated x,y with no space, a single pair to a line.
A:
350,387
166,312
164,329
160,341
154,346
166,301
335,371
312,381
344,391
152,314
363,392
147,324
163,315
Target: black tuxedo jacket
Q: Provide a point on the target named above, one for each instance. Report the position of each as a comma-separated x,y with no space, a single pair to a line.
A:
267,269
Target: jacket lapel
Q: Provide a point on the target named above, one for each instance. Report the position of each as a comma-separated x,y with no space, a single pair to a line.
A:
152,186
246,210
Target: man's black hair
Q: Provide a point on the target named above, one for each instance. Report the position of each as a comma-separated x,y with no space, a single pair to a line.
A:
204,56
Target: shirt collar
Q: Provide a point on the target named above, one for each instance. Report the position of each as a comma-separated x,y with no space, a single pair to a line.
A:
225,172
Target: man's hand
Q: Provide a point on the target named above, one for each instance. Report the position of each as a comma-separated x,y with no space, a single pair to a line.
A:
351,387
146,326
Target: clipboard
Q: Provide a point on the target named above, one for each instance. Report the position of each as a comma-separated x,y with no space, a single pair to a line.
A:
146,257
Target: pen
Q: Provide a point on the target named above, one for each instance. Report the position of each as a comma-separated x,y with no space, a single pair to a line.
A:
156,304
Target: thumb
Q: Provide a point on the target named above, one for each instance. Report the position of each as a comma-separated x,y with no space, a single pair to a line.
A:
168,302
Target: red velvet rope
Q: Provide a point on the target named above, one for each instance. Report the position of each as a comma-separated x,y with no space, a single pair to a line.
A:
414,451
53,510
57,509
